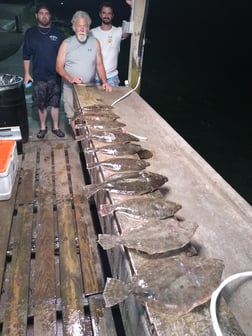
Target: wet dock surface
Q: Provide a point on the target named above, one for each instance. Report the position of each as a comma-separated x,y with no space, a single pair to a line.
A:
49,255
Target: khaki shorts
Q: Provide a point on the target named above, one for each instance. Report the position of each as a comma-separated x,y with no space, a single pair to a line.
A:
68,102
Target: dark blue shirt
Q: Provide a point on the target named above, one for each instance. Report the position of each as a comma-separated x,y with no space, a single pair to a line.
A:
41,47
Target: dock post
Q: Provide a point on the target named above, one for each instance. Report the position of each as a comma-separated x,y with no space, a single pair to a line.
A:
18,22
139,18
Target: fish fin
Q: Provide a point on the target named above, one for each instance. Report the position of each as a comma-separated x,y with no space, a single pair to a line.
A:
108,241
115,291
92,165
106,209
90,189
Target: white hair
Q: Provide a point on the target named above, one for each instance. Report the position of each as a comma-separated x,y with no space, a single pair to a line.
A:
81,14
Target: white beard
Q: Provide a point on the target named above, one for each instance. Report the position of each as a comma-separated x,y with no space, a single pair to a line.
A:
82,37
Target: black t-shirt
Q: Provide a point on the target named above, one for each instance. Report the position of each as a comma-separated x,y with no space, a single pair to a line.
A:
41,47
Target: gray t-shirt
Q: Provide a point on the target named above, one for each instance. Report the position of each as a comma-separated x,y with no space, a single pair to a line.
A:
80,59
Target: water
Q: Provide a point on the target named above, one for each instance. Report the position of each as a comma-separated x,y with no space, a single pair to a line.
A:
197,75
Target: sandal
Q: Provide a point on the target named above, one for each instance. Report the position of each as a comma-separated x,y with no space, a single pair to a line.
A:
41,134
58,132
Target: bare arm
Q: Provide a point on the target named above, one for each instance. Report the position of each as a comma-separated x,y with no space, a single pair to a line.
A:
27,76
126,35
129,2
60,65
100,68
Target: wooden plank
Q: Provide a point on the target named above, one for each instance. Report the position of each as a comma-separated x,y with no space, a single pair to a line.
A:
70,276
27,180
44,305
102,318
44,293
90,259
60,173
89,256
71,289
6,213
15,318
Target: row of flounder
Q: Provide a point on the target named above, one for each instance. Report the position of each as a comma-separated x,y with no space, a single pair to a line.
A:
172,284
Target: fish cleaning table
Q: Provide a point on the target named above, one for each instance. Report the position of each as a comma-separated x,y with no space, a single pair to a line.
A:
223,217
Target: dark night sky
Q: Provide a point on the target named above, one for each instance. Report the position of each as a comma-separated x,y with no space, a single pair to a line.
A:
121,9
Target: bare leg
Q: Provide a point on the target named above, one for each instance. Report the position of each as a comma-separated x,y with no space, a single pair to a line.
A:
72,123
42,118
55,117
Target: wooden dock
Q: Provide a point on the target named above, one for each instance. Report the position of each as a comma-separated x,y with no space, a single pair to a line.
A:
50,267
52,270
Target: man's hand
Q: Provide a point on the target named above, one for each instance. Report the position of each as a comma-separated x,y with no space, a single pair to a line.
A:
107,87
27,78
75,80
129,2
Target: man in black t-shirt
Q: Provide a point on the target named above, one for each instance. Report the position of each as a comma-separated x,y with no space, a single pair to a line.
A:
41,44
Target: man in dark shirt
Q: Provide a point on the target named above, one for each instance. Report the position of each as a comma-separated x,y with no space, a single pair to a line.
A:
41,44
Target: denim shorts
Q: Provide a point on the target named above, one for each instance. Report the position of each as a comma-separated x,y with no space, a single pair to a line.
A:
46,94
112,81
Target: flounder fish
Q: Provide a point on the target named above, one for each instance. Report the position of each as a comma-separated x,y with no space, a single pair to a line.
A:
173,285
131,183
117,149
120,164
101,125
113,136
95,116
154,237
96,107
142,207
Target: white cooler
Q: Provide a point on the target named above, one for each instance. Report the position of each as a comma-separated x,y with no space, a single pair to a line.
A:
8,167
12,133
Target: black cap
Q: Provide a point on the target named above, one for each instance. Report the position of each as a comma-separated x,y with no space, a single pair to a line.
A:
42,5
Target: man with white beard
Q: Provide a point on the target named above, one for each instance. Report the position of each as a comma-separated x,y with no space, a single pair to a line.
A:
78,59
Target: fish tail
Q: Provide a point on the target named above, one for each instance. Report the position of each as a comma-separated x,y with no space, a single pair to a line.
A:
90,190
92,165
115,291
107,241
81,137
89,150
106,209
